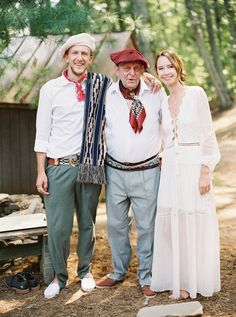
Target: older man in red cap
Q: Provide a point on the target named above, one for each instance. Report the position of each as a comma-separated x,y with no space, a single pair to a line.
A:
132,166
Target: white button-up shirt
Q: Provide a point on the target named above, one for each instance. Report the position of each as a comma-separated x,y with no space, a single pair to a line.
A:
122,142
59,123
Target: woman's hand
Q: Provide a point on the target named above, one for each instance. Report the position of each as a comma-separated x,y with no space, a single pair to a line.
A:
204,180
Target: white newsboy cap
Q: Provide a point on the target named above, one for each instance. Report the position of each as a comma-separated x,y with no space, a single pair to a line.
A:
78,39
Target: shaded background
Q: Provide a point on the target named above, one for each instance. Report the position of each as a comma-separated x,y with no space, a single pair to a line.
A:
203,32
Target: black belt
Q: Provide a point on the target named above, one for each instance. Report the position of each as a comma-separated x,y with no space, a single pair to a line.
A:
151,162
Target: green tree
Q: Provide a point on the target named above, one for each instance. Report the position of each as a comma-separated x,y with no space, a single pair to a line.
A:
211,58
202,32
139,9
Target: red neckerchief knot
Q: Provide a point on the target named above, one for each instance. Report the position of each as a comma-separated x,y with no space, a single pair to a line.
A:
80,94
137,113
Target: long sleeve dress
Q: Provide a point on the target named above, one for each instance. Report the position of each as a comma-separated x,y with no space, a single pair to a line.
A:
186,244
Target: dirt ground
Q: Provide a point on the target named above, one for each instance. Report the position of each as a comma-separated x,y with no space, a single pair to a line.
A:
126,299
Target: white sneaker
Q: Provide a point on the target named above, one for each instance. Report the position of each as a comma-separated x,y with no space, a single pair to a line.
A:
51,291
88,283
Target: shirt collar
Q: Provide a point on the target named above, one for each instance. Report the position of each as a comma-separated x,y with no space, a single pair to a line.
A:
64,82
115,87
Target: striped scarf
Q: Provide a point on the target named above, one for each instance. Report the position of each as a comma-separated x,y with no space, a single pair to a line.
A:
92,156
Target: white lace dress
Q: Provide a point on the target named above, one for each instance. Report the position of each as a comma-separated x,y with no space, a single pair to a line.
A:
186,244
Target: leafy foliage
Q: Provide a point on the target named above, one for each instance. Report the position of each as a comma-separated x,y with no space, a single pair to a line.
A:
166,25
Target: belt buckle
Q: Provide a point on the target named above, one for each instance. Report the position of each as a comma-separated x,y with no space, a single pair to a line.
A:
73,161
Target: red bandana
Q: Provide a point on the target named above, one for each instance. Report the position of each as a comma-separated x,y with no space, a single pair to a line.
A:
137,112
80,94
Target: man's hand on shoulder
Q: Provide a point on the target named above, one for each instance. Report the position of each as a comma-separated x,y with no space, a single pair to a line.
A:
153,83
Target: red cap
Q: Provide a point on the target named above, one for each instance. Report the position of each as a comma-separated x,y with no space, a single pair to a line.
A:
128,55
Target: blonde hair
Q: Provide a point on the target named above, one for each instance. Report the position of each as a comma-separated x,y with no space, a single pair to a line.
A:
176,61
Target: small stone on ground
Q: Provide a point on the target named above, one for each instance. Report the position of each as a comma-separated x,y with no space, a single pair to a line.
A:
180,309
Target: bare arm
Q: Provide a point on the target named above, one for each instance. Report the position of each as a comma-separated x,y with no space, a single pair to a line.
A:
42,180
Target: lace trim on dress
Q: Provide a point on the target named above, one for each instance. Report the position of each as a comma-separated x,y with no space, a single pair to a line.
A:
166,212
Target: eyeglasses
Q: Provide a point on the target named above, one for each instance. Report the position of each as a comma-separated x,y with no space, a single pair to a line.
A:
128,70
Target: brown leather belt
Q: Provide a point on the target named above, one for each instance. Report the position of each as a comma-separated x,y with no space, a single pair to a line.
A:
72,160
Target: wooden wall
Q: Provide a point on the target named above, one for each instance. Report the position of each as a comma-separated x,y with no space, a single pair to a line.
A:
17,157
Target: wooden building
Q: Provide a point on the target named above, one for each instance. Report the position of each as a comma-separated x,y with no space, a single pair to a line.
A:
26,64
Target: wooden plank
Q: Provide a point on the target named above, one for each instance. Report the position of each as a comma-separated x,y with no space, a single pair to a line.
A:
24,151
20,234
46,267
32,156
1,149
21,222
14,143
17,157
5,152
22,250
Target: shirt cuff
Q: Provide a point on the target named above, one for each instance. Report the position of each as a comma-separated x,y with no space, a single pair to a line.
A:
40,146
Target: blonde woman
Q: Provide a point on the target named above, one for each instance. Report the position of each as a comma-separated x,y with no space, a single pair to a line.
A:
186,245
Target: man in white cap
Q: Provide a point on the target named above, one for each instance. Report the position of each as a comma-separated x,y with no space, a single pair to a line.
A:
70,144
132,141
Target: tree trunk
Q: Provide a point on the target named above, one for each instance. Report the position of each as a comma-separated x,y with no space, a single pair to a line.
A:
218,19
211,35
232,26
139,8
216,76
231,16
